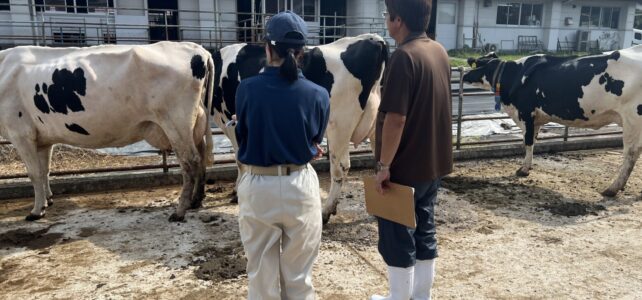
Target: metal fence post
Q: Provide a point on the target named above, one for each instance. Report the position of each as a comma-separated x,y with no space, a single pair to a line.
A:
460,107
566,133
166,29
165,167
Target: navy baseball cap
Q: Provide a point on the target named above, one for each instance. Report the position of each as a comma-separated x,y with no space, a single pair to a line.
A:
286,27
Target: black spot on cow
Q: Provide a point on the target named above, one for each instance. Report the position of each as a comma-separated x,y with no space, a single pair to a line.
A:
41,121
40,101
316,70
44,88
640,110
249,62
364,60
76,128
198,67
593,111
19,114
229,85
612,85
64,93
218,91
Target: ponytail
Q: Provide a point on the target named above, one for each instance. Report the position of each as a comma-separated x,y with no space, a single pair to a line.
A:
289,69
289,52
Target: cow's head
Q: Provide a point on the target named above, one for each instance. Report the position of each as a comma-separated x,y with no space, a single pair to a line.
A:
482,72
489,69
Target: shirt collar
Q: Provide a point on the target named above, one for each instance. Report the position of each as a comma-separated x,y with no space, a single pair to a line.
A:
271,70
413,36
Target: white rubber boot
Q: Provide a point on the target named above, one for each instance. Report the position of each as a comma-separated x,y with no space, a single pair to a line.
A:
423,279
400,281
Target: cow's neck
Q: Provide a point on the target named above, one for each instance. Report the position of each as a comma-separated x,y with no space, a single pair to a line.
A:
507,81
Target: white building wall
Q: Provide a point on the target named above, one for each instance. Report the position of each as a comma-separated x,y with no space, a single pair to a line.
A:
188,19
609,38
553,26
5,29
227,21
132,21
465,22
364,16
504,36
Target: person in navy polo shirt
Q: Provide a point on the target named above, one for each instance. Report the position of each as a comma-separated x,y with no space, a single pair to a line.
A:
281,119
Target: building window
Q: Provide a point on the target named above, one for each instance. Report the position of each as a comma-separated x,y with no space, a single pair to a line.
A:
603,17
637,24
4,5
517,13
74,6
446,13
304,8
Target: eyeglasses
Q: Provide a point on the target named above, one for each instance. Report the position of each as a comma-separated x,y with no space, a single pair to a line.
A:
384,14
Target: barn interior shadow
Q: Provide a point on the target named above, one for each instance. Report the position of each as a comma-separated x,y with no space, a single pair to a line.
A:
502,194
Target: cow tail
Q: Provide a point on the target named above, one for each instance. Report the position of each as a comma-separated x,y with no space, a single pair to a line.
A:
209,95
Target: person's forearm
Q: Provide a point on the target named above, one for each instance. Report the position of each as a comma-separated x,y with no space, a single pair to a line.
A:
393,126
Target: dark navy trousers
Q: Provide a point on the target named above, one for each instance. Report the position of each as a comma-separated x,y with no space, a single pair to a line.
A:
401,246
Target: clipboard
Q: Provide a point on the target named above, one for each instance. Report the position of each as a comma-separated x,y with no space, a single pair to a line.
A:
397,204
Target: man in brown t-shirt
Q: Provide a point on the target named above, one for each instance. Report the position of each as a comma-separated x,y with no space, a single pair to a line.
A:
413,144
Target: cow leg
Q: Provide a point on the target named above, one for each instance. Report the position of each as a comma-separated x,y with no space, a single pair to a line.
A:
190,161
28,152
44,156
339,167
530,132
199,185
631,154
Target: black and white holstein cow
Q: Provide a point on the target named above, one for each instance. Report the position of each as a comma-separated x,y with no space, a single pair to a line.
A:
590,92
349,68
108,96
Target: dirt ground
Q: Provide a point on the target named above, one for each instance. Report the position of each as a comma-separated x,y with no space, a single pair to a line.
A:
548,236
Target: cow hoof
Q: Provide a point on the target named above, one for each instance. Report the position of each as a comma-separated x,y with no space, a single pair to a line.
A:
522,173
49,202
176,218
326,218
609,193
32,217
235,199
197,203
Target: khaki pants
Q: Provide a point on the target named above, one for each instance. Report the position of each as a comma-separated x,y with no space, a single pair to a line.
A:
280,225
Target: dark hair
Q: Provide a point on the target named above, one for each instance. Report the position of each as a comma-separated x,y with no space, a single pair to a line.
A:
289,52
414,13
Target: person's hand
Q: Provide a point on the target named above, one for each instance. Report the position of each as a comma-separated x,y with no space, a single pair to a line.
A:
382,179
320,152
231,122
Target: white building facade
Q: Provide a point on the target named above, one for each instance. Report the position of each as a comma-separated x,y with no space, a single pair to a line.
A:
490,24
212,23
546,24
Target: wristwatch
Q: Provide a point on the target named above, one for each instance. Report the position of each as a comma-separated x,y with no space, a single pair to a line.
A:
381,167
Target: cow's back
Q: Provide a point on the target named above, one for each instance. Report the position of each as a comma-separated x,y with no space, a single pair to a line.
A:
102,95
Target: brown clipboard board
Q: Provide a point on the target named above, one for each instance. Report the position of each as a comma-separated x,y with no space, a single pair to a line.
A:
397,204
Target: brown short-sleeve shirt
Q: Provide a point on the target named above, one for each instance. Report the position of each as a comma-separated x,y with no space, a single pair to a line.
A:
417,85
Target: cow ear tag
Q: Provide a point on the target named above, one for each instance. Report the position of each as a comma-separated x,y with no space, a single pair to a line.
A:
474,65
498,97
